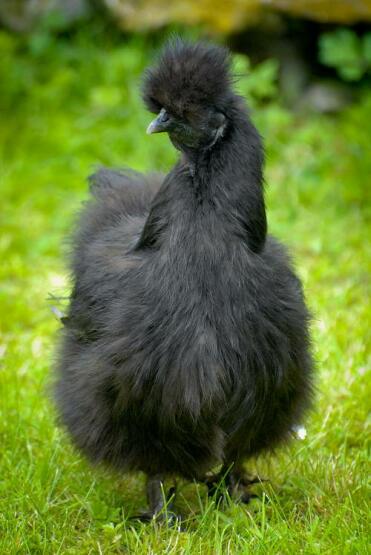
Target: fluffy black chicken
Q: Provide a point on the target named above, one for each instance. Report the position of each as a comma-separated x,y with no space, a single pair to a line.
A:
186,343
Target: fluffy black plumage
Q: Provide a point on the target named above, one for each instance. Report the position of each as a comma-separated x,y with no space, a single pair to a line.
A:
187,339
188,76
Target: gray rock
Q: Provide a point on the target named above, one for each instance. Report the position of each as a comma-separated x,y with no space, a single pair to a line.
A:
325,97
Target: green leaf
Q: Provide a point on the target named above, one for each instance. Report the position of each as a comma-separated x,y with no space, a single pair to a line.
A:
344,51
256,83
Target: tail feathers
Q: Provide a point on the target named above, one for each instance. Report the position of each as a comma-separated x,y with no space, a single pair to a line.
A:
125,191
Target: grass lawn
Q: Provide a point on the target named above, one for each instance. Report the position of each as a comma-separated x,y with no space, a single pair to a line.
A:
74,103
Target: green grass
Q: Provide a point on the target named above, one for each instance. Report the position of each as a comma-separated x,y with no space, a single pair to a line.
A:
74,103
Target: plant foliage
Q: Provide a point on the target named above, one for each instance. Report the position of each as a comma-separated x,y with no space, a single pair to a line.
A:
347,52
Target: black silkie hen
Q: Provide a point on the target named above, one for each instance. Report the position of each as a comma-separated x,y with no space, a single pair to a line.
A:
186,344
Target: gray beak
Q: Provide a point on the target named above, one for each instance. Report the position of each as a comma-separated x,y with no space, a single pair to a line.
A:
160,124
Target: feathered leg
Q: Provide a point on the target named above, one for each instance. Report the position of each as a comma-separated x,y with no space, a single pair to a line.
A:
160,505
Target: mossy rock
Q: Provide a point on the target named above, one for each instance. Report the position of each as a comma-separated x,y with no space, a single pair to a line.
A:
226,16
219,16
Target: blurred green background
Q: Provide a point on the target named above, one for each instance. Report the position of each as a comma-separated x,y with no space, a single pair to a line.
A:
70,100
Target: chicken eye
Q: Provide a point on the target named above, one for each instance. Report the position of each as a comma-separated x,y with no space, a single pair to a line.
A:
165,117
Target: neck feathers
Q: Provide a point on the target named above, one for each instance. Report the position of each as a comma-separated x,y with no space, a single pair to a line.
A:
230,175
226,178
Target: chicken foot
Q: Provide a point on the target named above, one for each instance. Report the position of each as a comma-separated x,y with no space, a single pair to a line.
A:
237,483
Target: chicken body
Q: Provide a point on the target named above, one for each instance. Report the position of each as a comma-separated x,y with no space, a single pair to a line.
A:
186,342
177,358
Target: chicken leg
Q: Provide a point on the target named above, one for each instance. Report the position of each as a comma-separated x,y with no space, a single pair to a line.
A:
160,505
